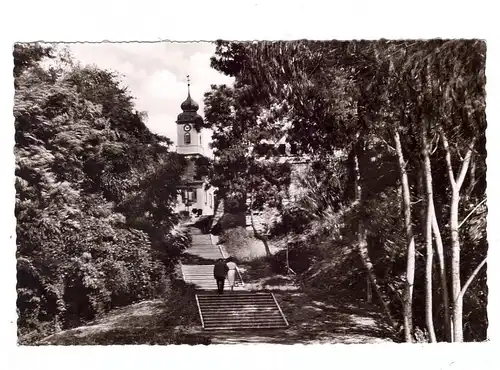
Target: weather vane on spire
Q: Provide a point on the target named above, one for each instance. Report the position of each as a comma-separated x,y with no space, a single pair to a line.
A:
189,82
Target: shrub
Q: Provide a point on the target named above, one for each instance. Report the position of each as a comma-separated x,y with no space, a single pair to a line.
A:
184,214
294,219
299,260
204,223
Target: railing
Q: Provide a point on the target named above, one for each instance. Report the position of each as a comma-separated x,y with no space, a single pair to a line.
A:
199,311
279,308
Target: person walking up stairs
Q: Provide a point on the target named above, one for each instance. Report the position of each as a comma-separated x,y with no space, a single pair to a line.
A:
241,310
231,274
220,272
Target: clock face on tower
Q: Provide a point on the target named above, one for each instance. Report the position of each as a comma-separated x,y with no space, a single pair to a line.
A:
187,128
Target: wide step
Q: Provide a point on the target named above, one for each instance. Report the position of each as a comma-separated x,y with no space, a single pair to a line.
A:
206,252
202,247
201,239
202,276
240,311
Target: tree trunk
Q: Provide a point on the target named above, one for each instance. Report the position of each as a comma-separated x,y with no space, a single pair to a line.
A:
442,277
428,235
288,268
287,260
363,245
421,194
443,280
455,269
410,240
428,275
456,184
256,233
369,291
260,237
471,213
471,278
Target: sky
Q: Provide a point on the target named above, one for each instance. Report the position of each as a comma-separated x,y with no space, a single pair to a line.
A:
155,74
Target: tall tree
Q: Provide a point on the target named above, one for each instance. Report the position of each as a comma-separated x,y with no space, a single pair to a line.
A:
349,97
79,159
238,171
455,77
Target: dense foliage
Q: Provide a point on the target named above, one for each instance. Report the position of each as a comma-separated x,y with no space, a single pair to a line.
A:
94,194
391,131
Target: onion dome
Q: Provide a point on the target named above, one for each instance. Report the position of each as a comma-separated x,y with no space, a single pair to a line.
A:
189,105
189,108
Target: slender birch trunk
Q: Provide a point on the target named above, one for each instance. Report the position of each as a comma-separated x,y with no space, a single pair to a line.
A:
442,277
428,235
443,280
471,278
456,184
410,240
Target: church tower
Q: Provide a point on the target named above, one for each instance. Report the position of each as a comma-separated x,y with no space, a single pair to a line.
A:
189,127
194,198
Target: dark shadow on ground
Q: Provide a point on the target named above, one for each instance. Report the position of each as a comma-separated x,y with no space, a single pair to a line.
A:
203,224
193,229
315,316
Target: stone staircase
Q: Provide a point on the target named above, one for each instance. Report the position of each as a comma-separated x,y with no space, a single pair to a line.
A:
208,252
243,310
239,309
202,276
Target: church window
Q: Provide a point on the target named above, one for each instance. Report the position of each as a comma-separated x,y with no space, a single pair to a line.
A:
187,138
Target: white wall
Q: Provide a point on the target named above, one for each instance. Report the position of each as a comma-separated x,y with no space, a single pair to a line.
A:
190,149
208,204
196,145
205,200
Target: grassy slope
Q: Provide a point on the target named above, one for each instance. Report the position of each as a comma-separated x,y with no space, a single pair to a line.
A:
160,321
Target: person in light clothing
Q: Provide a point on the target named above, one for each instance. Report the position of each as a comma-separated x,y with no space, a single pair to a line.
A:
231,272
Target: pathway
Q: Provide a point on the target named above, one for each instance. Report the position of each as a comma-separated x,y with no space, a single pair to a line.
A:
240,309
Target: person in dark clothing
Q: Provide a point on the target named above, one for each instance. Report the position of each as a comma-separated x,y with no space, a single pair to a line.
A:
220,272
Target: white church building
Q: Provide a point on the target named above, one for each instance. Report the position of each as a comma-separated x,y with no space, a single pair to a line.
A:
193,196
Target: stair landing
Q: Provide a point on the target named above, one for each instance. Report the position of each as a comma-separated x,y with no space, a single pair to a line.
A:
202,247
202,276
